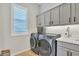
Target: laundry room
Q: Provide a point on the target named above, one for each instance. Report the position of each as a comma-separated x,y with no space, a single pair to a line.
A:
39,29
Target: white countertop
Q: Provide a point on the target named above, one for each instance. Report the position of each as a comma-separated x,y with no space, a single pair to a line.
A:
69,40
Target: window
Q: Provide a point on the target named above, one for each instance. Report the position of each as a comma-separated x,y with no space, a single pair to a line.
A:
19,20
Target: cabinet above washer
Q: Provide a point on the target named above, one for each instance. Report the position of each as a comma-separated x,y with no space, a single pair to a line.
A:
64,14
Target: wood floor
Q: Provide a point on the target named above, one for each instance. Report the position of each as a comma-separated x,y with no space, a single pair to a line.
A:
27,53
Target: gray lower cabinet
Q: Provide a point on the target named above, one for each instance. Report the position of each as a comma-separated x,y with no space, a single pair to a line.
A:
61,51
54,16
66,49
47,18
65,16
74,53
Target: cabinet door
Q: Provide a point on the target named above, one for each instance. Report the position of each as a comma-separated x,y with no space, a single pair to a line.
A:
62,51
74,53
65,17
38,21
76,18
42,20
73,9
47,18
55,16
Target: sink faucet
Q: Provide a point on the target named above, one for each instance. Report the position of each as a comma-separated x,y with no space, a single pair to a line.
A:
68,32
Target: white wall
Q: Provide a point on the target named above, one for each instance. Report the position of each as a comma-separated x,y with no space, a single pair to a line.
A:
74,30
47,6
16,43
1,32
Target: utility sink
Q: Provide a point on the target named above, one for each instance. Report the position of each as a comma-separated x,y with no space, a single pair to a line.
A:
69,40
74,39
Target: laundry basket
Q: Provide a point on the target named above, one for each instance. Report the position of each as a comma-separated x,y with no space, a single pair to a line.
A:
5,52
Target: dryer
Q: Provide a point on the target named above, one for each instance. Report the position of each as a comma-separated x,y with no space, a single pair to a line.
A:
34,42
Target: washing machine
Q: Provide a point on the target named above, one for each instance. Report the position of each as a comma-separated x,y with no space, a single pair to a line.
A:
45,45
48,44
34,42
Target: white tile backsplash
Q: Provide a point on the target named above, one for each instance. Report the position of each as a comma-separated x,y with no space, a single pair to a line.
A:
57,30
74,30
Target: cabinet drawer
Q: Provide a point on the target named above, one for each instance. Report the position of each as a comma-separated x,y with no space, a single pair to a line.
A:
68,45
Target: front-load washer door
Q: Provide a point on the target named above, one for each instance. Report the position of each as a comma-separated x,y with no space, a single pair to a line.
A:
33,42
45,48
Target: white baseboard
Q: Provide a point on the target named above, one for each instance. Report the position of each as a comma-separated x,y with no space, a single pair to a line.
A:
14,54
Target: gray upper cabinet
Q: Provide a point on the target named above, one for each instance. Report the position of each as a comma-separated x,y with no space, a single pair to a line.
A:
40,20
76,17
65,16
67,13
47,18
75,13
54,16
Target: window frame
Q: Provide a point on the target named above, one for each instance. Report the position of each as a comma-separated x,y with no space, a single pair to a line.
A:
13,33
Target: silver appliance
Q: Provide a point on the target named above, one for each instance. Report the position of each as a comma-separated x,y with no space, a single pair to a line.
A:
34,42
44,44
48,44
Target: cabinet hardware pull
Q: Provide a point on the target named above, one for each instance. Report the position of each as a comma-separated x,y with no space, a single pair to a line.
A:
52,22
67,53
69,20
74,19
39,24
70,53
